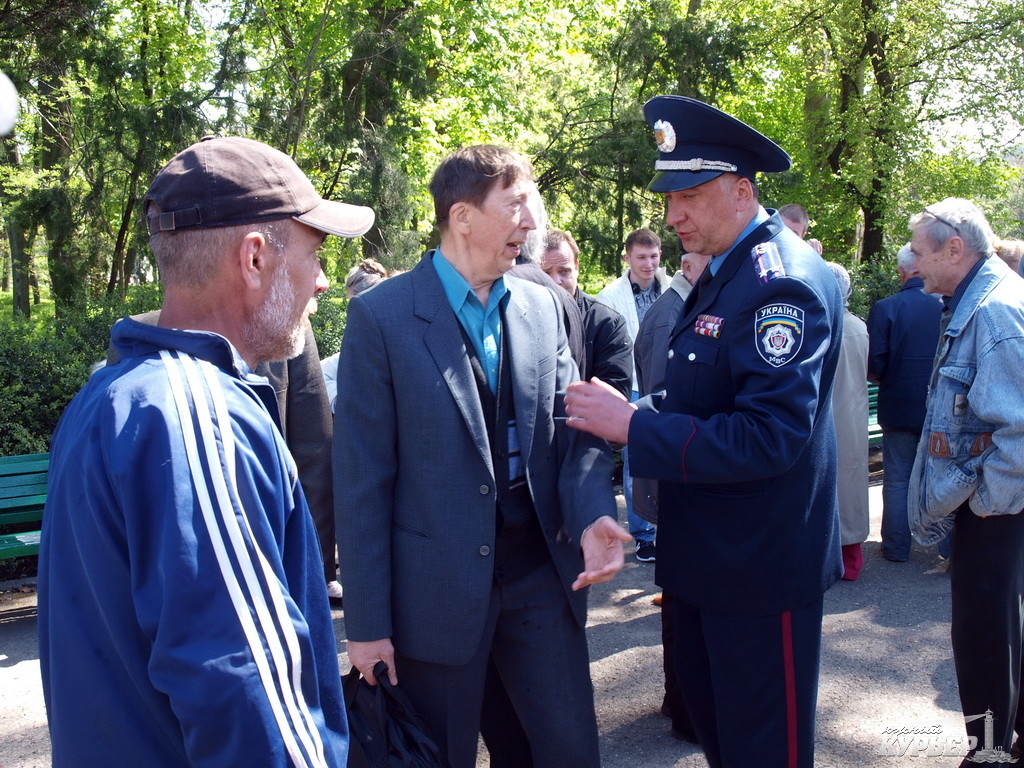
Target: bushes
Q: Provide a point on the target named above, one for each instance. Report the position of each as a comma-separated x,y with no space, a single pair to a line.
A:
40,371
44,364
329,321
872,281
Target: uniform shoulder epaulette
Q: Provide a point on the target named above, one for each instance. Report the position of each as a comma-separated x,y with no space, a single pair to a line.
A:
767,262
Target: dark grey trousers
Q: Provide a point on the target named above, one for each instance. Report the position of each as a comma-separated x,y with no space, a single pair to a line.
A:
986,574
541,654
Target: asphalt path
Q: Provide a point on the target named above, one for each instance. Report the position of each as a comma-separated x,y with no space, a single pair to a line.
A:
887,694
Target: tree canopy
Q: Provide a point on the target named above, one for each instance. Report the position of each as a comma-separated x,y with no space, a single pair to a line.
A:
883,105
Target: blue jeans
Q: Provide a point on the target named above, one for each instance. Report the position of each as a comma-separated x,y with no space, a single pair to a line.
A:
639,528
898,449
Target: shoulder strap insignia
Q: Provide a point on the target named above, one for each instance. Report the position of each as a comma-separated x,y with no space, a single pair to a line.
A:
767,262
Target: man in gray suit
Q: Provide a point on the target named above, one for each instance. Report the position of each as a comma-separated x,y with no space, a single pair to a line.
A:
469,518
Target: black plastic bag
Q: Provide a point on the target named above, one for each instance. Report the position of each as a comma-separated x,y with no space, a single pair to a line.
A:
385,731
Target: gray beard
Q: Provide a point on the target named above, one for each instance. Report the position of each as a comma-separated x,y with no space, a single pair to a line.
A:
275,330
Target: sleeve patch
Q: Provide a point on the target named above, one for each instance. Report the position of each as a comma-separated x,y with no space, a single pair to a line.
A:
778,333
767,262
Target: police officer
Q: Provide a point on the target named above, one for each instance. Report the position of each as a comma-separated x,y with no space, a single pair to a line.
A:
743,444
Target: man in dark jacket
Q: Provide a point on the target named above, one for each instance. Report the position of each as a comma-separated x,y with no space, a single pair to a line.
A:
903,331
650,356
608,351
743,445
455,366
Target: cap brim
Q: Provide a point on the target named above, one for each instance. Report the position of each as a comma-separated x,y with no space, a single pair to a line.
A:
673,181
341,219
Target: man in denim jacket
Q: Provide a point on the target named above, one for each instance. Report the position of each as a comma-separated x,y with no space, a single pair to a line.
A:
968,475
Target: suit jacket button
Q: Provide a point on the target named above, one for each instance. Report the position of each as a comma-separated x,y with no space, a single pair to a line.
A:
484,490
485,550
671,354
691,357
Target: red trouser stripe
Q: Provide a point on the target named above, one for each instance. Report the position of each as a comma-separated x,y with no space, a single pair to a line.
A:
686,447
788,668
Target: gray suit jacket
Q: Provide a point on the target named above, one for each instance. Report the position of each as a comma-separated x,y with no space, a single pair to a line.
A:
415,484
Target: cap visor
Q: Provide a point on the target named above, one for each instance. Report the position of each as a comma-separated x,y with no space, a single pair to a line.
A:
341,219
673,181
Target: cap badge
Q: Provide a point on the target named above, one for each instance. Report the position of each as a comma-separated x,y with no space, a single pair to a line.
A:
664,136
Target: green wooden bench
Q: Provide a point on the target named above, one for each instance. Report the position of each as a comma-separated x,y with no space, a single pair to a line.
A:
874,431
22,495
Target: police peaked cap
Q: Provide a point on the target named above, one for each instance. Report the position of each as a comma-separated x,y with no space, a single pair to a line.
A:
699,143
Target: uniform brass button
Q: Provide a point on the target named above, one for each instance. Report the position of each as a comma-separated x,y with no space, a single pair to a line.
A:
691,357
671,354
484,490
485,550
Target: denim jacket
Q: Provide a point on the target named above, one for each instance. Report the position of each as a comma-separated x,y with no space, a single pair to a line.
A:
972,445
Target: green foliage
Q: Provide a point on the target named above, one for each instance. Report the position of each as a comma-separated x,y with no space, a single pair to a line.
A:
867,97
872,281
329,321
43,364
39,374
884,107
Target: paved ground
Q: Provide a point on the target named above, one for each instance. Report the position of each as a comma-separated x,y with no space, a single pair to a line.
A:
886,666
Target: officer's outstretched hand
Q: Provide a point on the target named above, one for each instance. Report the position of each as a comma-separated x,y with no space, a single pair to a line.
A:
595,407
602,552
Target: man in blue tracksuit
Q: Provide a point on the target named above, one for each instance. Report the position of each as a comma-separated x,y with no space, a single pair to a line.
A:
182,614
742,444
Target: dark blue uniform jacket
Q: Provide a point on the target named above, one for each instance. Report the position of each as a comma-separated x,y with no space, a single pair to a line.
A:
903,332
744,443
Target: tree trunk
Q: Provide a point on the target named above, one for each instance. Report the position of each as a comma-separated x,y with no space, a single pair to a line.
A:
874,214
120,270
5,273
20,258
54,108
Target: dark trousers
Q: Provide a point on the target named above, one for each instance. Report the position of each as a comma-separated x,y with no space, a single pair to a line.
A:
540,654
673,703
504,736
898,451
986,574
750,683
500,727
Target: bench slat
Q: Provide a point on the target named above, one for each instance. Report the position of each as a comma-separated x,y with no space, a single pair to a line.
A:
27,515
32,488
19,544
19,465
22,497
874,431
13,482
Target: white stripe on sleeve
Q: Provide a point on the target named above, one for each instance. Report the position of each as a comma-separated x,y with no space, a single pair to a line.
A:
288,707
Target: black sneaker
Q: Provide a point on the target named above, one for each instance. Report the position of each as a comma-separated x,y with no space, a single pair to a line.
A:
645,551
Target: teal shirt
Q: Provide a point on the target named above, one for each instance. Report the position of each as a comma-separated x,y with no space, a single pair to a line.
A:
483,325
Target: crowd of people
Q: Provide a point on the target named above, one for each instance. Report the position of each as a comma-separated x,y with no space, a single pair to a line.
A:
458,454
